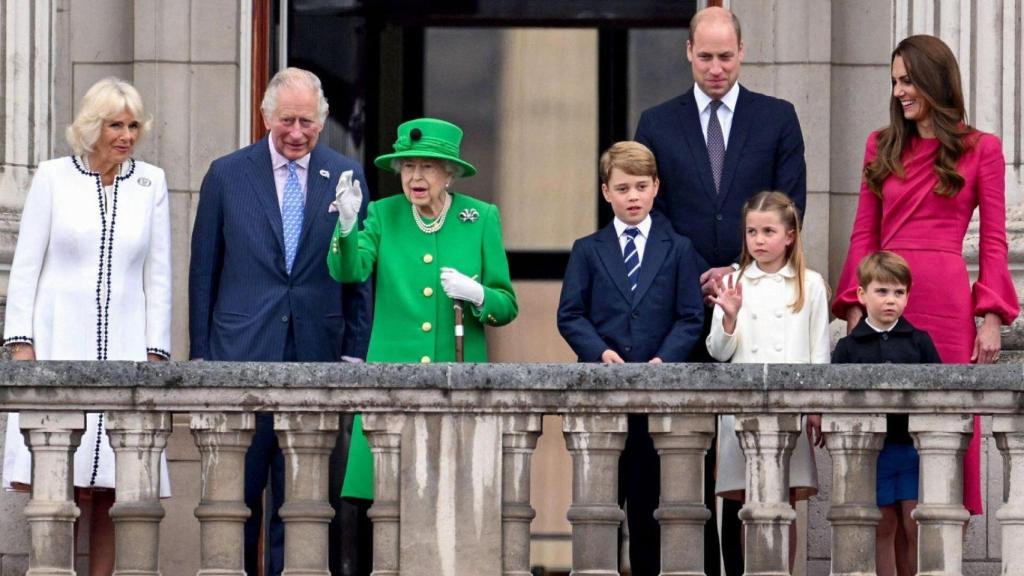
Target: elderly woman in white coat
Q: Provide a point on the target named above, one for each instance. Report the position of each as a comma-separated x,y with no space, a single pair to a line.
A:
91,279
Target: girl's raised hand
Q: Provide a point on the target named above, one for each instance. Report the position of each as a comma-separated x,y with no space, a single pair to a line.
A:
729,295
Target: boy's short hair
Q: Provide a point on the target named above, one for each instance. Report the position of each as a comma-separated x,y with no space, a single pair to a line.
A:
631,157
884,267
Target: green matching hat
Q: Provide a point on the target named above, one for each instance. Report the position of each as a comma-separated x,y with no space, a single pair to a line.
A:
427,138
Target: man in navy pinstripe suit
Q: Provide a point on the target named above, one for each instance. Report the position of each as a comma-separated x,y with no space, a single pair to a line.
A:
259,289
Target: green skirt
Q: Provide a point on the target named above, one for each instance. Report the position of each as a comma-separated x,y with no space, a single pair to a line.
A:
359,470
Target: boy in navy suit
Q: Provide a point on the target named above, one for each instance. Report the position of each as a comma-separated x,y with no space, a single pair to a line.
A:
632,294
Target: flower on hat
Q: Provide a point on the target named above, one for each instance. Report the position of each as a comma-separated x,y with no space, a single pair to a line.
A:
469,215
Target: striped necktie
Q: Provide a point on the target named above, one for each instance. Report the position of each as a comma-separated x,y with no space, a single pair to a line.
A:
292,204
632,257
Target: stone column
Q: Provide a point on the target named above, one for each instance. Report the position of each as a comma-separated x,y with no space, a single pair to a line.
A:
384,434
306,440
941,441
222,439
854,442
595,443
52,437
682,441
1009,433
518,441
138,440
767,442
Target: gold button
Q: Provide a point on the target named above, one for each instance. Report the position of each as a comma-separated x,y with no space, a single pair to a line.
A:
428,258
427,326
425,360
428,291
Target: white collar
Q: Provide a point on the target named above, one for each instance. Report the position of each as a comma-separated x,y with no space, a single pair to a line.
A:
644,226
877,329
754,271
729,100
278,160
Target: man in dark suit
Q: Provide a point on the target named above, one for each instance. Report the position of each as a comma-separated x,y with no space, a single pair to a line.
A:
631,294
717,145
259,289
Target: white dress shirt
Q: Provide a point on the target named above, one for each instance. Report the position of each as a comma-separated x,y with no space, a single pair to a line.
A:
280,164
725,111
641,239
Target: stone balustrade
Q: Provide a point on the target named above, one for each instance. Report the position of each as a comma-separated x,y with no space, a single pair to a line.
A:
462,535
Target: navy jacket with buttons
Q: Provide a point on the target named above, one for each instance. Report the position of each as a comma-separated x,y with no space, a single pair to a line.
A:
663,318
904,344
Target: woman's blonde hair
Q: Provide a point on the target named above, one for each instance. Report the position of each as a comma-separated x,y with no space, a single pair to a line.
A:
104,101
789,215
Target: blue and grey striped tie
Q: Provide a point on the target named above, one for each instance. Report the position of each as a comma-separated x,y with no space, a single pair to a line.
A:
632,257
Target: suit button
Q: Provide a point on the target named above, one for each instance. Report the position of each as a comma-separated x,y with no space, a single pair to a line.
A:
428,258
426,326
284,318
425,360
428,291
627,348
635,314
718,217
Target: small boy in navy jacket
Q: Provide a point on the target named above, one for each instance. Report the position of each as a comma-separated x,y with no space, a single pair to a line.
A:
632,294
884,336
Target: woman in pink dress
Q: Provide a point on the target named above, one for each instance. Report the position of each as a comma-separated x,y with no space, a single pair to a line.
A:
924,175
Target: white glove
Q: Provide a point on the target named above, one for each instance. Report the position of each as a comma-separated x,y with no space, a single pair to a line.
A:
348,197
458,286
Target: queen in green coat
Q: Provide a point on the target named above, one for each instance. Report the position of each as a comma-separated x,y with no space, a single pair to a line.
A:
430,248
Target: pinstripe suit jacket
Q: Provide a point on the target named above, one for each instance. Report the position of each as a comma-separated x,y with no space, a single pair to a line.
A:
242,301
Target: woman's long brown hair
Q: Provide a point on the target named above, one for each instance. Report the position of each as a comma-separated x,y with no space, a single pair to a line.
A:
788,214
933,70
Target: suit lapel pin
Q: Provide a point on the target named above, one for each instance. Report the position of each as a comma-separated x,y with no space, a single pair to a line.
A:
469,215
143,181
325,174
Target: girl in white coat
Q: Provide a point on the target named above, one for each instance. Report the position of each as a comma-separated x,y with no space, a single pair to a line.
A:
772,310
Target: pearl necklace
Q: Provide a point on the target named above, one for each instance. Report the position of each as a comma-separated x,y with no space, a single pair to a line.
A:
437,223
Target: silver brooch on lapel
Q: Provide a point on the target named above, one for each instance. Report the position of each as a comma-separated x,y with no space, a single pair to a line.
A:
325,174
469,215
143,181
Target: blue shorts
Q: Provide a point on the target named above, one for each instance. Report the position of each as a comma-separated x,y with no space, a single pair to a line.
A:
898,472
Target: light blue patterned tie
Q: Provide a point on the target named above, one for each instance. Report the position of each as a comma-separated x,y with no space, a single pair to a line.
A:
632,258
291,215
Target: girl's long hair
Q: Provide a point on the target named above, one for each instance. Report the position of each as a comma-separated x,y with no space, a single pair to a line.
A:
780,204
934,72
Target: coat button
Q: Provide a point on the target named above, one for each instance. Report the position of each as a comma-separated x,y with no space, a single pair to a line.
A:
753,315
425,360
885,335
718,217
636,314
627,348
428,291
778,347
284,318
426,326
428,258
777,278
753,349
778,313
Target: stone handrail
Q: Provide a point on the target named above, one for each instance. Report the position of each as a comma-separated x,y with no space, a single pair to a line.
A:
681,400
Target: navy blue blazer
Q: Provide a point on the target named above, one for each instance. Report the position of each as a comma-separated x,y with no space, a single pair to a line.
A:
662,319
241,299
765,152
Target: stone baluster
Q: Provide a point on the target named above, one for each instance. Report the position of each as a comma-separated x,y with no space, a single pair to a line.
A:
682,441
138,440
222,439
854,442
595,443
384,435
518,441
306,439
52,437
767,442
941,441
1009,433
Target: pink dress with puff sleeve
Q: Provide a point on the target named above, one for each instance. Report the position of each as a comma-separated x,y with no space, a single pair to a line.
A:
928,230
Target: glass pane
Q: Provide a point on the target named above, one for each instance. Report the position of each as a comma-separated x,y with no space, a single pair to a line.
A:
527,100
658,69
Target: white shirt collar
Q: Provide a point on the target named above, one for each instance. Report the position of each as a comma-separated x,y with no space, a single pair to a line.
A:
729,100
278,160
754,271
870,324
644,227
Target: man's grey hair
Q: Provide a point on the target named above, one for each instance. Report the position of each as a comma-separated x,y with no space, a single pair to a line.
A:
293,78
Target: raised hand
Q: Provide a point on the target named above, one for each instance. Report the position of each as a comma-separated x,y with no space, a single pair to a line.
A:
729,295
348,197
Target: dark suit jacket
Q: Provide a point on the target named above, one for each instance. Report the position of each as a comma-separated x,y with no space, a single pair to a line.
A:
597,311
241,299
765,152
